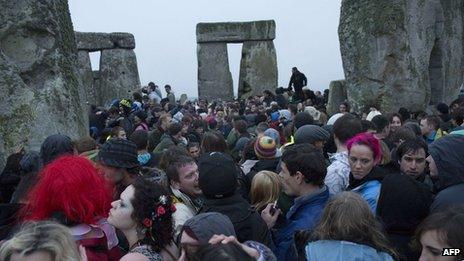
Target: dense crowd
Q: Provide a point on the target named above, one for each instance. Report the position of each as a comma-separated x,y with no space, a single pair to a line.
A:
270,177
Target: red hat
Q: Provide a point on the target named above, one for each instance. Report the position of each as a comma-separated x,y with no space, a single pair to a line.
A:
265,147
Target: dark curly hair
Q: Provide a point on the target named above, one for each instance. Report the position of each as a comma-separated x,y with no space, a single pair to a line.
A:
146,201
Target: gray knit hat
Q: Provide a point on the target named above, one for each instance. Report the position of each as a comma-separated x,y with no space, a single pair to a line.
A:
206,225
310,134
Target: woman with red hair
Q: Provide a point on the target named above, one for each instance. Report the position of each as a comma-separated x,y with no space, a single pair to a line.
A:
364,154
71,191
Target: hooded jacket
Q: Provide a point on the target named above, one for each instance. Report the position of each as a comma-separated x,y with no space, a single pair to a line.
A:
343,250
448,154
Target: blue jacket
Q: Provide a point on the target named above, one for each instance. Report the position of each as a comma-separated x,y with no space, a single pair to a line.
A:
370,192
328,250
303,215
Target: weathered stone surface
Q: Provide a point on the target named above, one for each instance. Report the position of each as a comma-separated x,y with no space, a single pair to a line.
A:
258,68
102,41
337,95
85,71
401,52
235,31
96,87
214,77
39,79
118,74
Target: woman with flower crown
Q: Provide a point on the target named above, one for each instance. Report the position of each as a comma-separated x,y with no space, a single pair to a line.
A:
144,214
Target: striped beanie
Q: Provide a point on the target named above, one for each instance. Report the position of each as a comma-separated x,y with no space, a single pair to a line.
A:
265,147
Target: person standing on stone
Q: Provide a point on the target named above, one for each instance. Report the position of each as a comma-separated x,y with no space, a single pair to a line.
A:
170,94
297,80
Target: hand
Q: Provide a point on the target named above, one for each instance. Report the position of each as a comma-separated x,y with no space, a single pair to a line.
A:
82,253
222,239
269,218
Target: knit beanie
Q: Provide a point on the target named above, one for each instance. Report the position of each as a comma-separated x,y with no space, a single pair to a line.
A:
206,225
310,134
265,147
119,153
218,175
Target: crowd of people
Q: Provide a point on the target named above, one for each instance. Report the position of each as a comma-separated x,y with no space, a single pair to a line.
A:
271,177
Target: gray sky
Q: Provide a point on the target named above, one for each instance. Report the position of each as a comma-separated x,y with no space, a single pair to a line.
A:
306,35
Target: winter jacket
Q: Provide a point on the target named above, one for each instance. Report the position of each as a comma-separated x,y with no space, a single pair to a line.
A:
303,215
186,208
448,154
247,222
370,192
154,138
369,186
328,250
263,164
166,142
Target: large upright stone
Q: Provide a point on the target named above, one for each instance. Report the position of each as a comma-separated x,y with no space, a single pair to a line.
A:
118,74
39,81
258,68
401,52
85,71
236,31
214,77
337,95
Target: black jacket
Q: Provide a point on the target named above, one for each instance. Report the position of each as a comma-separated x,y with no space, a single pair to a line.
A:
263,164
247,222
298,80
403,204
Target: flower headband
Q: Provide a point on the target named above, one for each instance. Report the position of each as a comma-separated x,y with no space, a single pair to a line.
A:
158,211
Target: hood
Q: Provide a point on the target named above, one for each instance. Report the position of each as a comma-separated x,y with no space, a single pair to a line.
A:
448,154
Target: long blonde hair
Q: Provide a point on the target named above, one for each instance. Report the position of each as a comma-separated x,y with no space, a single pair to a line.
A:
348,217
265,188
47,236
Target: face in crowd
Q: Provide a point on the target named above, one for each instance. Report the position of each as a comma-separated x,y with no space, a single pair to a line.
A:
413,163
194,152
395,123
111,173
425,127
361,159
290,183
188,180
120,214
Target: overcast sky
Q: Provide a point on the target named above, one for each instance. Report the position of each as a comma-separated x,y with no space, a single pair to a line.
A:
306,35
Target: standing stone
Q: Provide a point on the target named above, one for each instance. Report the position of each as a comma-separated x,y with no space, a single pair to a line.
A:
39,80
258,68
118,74
96,87
214,77
401,52
85,71
337,95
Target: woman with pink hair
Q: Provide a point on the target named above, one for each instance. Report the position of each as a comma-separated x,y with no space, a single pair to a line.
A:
364,154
